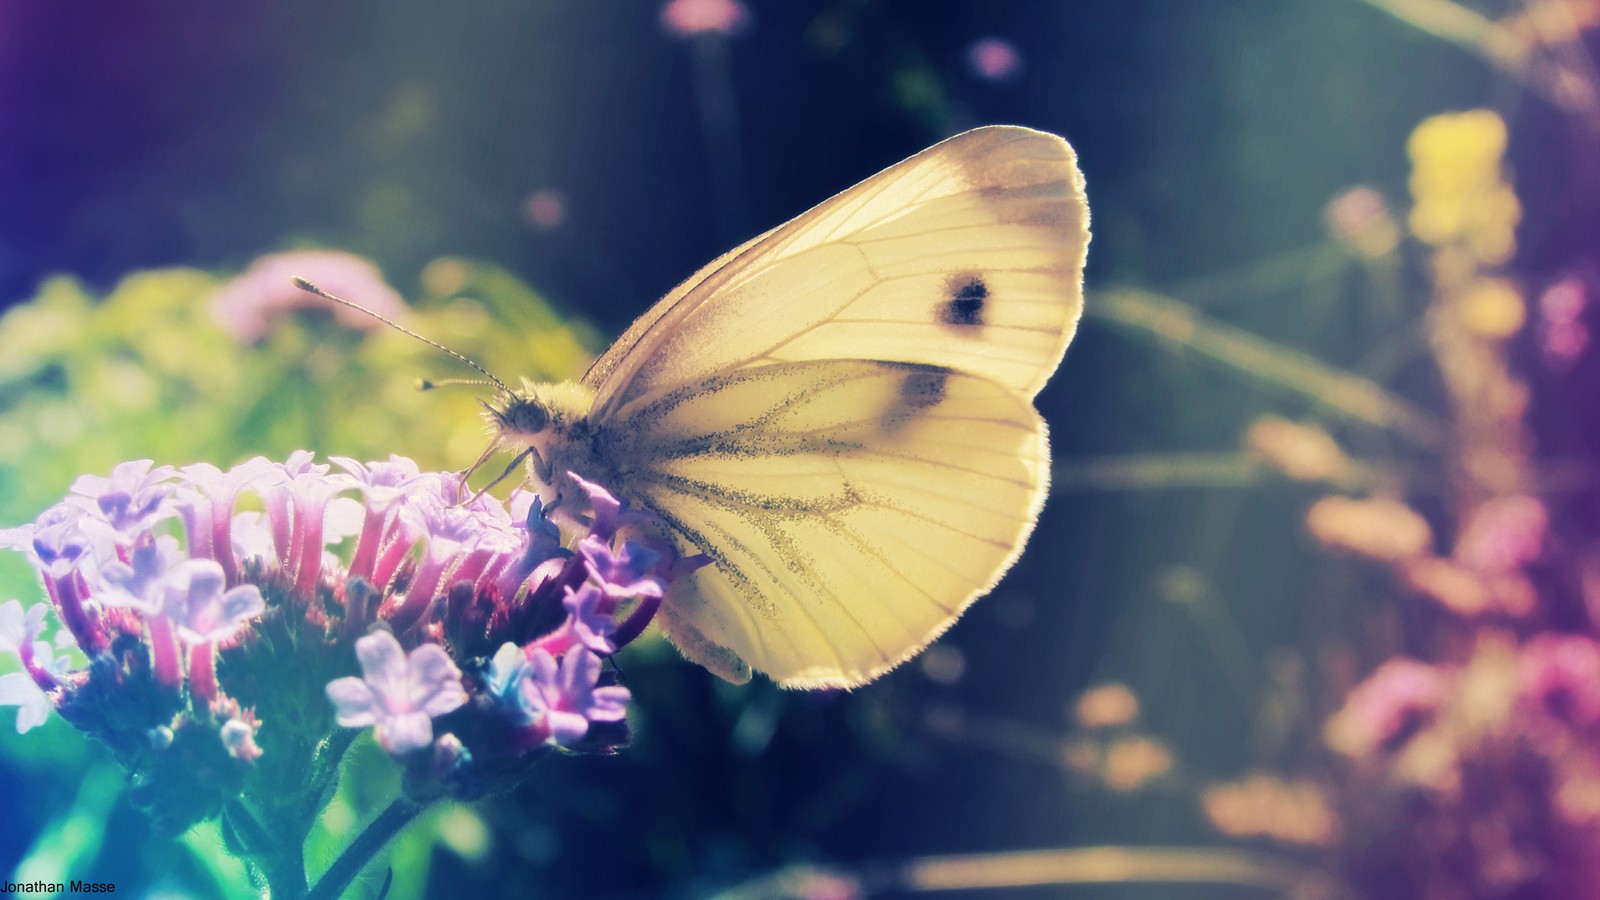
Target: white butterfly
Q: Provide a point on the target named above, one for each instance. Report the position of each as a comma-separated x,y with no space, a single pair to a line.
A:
840,411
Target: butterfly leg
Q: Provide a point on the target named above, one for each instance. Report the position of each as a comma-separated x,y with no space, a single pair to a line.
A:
511,467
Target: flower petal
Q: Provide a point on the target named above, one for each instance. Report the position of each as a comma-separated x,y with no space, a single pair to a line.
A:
354,703
383,662
404,734
33,705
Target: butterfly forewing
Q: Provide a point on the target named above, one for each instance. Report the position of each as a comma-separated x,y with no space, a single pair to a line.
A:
839,411
974,246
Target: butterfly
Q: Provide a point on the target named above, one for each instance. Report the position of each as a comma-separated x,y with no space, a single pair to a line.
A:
839,412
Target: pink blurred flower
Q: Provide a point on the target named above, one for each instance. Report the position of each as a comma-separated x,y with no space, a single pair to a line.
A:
1562,335
689,18
1387,709
248,305
1560,674
1504,534
545,209
1360,218
994,59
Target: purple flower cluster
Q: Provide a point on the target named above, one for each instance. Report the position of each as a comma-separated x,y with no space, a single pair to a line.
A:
224,616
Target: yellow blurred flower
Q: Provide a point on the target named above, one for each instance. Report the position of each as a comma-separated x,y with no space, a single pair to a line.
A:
1106,706
1133,762
1493,308
1456,180
1300,451
1292,812
1378,527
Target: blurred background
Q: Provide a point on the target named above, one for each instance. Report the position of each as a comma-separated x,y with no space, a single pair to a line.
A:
1308,611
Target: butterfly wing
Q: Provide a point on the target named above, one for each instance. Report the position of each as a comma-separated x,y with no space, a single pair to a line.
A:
839,411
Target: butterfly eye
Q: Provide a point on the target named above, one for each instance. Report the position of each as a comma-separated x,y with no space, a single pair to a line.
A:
525,417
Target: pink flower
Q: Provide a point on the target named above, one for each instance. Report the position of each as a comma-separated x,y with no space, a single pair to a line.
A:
994,59
1504,534
688,18
248,305
1387,709
559,700
1562,334
196,602
545,209
399,694
1560,674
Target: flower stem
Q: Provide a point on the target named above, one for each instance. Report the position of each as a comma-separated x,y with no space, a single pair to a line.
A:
325,769
1153,315
361,850
281,864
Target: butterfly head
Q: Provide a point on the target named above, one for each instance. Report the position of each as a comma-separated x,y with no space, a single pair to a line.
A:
522,416
517,415
536,421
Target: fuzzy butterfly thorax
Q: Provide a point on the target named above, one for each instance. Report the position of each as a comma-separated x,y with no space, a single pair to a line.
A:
549,425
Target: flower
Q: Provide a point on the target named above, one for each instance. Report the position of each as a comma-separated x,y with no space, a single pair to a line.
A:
1387,709
545,209
1492,308
1378,527
400,694
1106,706
132,494
994,59
623,574
194,598
179,630
1360,218
1293,812
1134,761
1504,534
137,583
564,699
248,306
1302,452
1560,675
1461,197
32,703
239,737
689,18
1562,334
19,629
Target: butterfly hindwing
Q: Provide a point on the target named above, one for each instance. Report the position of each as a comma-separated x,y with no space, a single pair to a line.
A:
852,510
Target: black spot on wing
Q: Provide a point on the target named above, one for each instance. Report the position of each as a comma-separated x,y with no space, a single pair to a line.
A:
966,295
919,388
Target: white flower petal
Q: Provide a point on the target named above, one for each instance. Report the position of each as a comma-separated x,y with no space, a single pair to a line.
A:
353,701
383,662
403,734
33,705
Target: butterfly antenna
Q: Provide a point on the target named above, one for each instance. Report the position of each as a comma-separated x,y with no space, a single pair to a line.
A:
424,384
310,288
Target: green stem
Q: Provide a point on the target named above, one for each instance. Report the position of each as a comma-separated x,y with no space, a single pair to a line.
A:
1152,315
283,867
1540,67
361,850
325,769
1117,865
